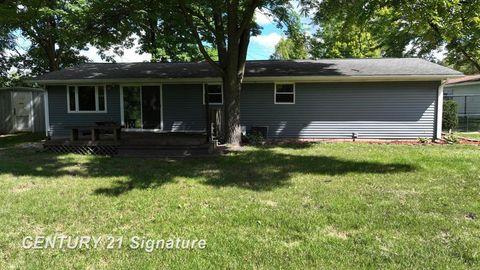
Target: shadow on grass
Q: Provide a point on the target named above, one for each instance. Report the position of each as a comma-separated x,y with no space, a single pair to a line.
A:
261,169
8,140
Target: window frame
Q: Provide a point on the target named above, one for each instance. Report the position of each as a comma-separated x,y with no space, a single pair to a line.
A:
283,93
205,86
97,101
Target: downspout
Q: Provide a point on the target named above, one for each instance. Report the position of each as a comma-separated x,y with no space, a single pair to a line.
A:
438,129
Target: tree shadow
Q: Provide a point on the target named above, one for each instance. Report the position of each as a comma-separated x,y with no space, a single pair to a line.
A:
261,169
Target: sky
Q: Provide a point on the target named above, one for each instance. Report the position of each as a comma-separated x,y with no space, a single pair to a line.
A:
261,47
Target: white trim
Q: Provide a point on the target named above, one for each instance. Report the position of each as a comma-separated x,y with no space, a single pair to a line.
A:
438,129
97,105
161,107
204,89
275,94
13,112
250,79
47,112
32,114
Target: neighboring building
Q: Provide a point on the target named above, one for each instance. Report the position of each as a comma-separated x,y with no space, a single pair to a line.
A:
466,92
373,98
22,109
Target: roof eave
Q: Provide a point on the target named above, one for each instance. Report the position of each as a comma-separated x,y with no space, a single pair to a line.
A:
259,79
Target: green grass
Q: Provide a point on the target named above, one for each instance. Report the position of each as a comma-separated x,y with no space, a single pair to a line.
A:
471,135
324,206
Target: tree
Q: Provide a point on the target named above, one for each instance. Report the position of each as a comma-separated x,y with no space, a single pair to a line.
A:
336,40
54,29
295,46
413,27
450,118
227,25
288,49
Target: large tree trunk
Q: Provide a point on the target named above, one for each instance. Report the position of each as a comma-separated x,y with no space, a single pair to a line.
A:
231,89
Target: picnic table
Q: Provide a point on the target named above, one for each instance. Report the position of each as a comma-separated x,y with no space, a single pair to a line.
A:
95,131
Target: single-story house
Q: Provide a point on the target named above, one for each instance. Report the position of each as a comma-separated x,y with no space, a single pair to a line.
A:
22,109
466,92
311,99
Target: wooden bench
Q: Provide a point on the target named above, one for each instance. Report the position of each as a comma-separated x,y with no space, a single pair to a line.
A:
95,131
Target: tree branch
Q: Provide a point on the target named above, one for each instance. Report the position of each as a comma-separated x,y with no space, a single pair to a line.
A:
219,35
201,17
196,35
457,45
247,19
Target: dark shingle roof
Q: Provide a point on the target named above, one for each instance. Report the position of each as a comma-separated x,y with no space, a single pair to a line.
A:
264,68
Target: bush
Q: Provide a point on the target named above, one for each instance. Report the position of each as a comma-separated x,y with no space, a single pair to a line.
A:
254,139
451,138
424,140
450,118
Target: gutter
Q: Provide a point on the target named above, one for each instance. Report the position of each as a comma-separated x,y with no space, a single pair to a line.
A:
271,79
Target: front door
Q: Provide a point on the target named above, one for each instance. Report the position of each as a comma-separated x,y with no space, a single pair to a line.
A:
22,102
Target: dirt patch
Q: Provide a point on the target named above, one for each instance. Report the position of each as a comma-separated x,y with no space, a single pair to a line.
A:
333,232
23,187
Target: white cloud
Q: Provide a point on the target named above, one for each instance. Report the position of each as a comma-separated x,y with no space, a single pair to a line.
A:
262,17
268,41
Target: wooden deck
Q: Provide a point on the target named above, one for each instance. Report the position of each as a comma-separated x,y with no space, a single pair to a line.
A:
135,144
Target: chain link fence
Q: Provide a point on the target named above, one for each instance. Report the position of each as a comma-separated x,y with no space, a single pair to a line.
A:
468,112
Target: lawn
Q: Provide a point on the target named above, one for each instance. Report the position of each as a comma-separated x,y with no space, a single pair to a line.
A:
470,135
332,206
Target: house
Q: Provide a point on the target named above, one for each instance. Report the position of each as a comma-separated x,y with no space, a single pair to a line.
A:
311,99
466,92
22,110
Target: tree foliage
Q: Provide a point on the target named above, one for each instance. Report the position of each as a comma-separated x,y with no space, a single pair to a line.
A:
407,28
52,27
336,40
295,45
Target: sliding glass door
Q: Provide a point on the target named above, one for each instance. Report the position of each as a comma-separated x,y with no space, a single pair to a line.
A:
142,107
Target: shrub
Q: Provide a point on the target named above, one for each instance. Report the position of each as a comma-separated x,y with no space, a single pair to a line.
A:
423,140
451,138
450,118
254,139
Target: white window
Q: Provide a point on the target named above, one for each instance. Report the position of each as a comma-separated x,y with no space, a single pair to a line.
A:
87,99
284,93
214,94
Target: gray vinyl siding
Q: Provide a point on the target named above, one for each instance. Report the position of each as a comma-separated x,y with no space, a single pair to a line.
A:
336,110
322,110
38,112
183,108
6,120
59,116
